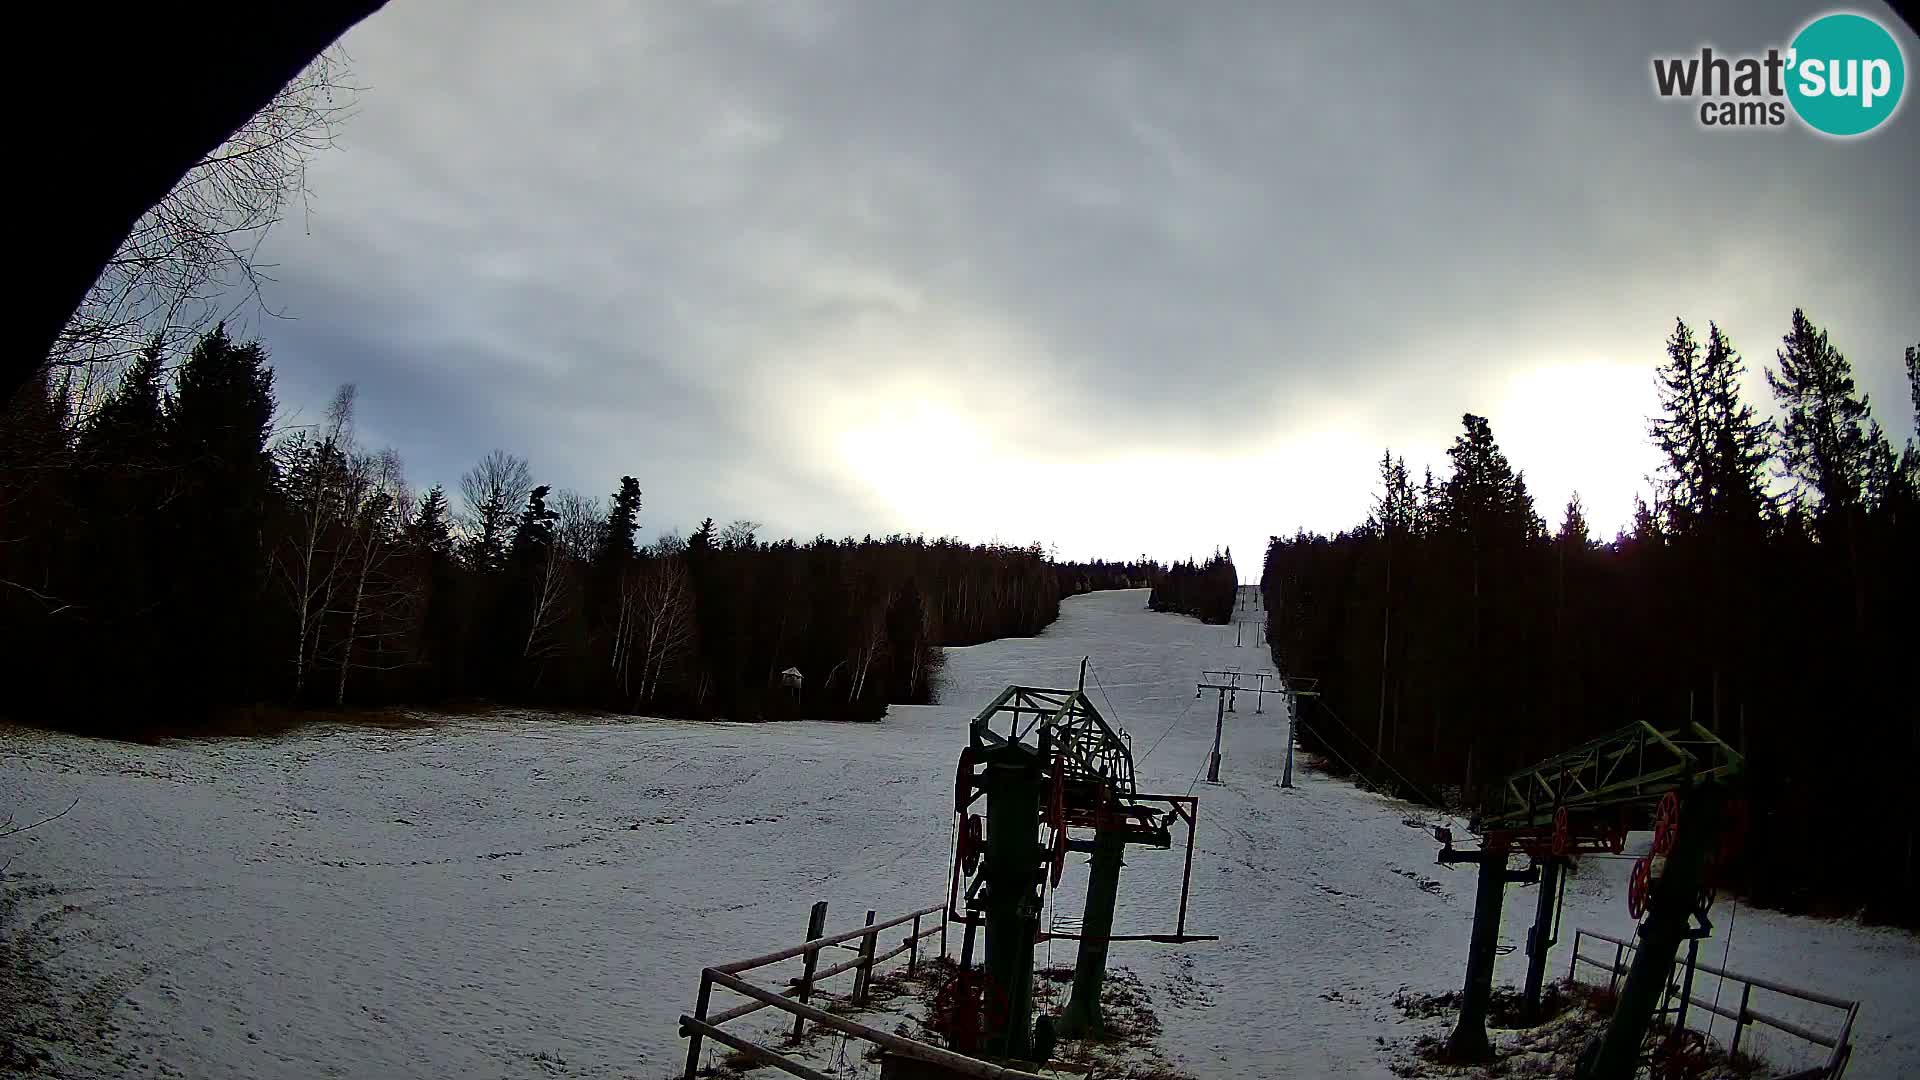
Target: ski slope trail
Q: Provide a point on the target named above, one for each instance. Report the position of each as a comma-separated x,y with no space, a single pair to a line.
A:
525,895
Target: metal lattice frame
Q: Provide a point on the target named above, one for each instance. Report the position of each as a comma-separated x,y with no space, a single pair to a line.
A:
1635,764
1094,753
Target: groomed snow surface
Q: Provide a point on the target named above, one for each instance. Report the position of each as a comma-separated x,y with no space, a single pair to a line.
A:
524,895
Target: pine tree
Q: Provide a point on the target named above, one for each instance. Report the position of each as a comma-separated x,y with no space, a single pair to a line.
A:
215,436
623,521
431,530
437,580
126,428
1716,447
1680,432
1396,508
1573,533
702,539
1913,380
1823,437
1484,499
1910,461
534,533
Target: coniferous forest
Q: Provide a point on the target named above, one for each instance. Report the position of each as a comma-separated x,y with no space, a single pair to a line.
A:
1203,590
168,554
1769,592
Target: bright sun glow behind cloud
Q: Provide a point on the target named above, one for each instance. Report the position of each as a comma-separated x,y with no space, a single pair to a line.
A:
929,466
1581,426
1575,426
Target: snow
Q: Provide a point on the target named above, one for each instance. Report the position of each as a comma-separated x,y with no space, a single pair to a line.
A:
527,895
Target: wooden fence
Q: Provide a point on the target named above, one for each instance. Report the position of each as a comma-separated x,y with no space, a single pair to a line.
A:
1839,1044
703,1024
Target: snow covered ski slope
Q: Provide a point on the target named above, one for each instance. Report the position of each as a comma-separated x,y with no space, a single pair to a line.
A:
518,896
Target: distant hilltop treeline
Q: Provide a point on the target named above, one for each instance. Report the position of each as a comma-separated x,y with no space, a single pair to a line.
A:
1205,591
164,554
1770,592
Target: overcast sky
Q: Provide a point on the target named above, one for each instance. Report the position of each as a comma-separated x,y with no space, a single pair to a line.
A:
1122,277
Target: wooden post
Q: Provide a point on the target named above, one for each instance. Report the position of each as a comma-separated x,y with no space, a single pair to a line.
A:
943,930
1613,974
816,926
913,946
1740,1024
863,974
700,1014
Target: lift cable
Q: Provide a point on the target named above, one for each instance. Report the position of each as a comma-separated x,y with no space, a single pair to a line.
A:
1169,731
1328,747
1725,954
1378,754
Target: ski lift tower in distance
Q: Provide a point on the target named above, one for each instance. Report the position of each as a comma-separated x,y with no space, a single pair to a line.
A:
1231,684
1057,765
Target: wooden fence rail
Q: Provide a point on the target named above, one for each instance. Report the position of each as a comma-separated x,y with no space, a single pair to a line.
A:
1839,1044
703,1024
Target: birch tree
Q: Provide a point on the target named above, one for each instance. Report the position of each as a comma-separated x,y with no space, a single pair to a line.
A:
315,471
664,609
376,495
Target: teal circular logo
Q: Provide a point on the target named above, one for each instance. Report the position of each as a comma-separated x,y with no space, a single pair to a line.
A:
1845,74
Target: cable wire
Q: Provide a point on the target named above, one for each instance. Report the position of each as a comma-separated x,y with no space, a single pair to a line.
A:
1378,755
1725,954
1094,670
1169,731
1196,774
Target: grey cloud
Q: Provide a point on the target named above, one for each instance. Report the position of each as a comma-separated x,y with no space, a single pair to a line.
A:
667,239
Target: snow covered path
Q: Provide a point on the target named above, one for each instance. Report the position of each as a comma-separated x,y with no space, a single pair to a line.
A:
525,896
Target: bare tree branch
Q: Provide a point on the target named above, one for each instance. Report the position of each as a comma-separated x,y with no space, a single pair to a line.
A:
7,828
193,258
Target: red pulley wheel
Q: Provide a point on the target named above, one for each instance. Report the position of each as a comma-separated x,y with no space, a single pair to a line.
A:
1562,832
972,844
1666,824
963,781
1639,885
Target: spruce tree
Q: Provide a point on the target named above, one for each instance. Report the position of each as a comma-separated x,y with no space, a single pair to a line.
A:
1715,445
1680,430
623,521
1573,533
1910,461
215,438
1484,499
126,428
431,530
534,532
1823,434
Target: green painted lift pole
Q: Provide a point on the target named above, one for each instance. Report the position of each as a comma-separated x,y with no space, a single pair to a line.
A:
1012,870
1668,911
1090,969
1542,937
